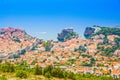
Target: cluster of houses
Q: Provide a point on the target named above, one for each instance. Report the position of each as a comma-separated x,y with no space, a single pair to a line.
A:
63,54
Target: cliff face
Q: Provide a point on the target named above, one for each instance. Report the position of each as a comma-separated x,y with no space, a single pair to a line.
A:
88,32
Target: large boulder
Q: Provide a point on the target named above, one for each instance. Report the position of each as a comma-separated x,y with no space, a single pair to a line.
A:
88,32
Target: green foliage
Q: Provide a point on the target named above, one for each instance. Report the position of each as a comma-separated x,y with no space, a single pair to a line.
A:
47,75
109,51
71,35
52,52
21,74
23,51
34,61
75,49
16,56
7,67
19,67
48,68
3,77
47,45
68,36
80,49
38,70
34,47
50,71
71,61
84,55
92,61
99,47
23,62
105,41
57,72
106,78
117,41
17,40
109,31
86,64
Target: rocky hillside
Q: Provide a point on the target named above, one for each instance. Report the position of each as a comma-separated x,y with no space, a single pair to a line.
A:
98,55
15,41
14,34
110,36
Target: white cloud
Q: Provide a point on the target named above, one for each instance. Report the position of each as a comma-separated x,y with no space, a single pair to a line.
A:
43,32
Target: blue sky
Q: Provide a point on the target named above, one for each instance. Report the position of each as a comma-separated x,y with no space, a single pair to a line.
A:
46,18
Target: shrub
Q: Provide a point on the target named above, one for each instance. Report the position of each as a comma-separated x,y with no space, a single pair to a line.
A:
48,69
7,67
58,72
21,74
47,45
47,75
23,51
38,70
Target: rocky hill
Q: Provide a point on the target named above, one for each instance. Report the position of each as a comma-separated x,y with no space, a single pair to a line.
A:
15,41
14,34
67,34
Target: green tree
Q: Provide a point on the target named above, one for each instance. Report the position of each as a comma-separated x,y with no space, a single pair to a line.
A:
47,45
105,41
38,70
48,69
47,75
82,48
17,40
117,41
23,51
